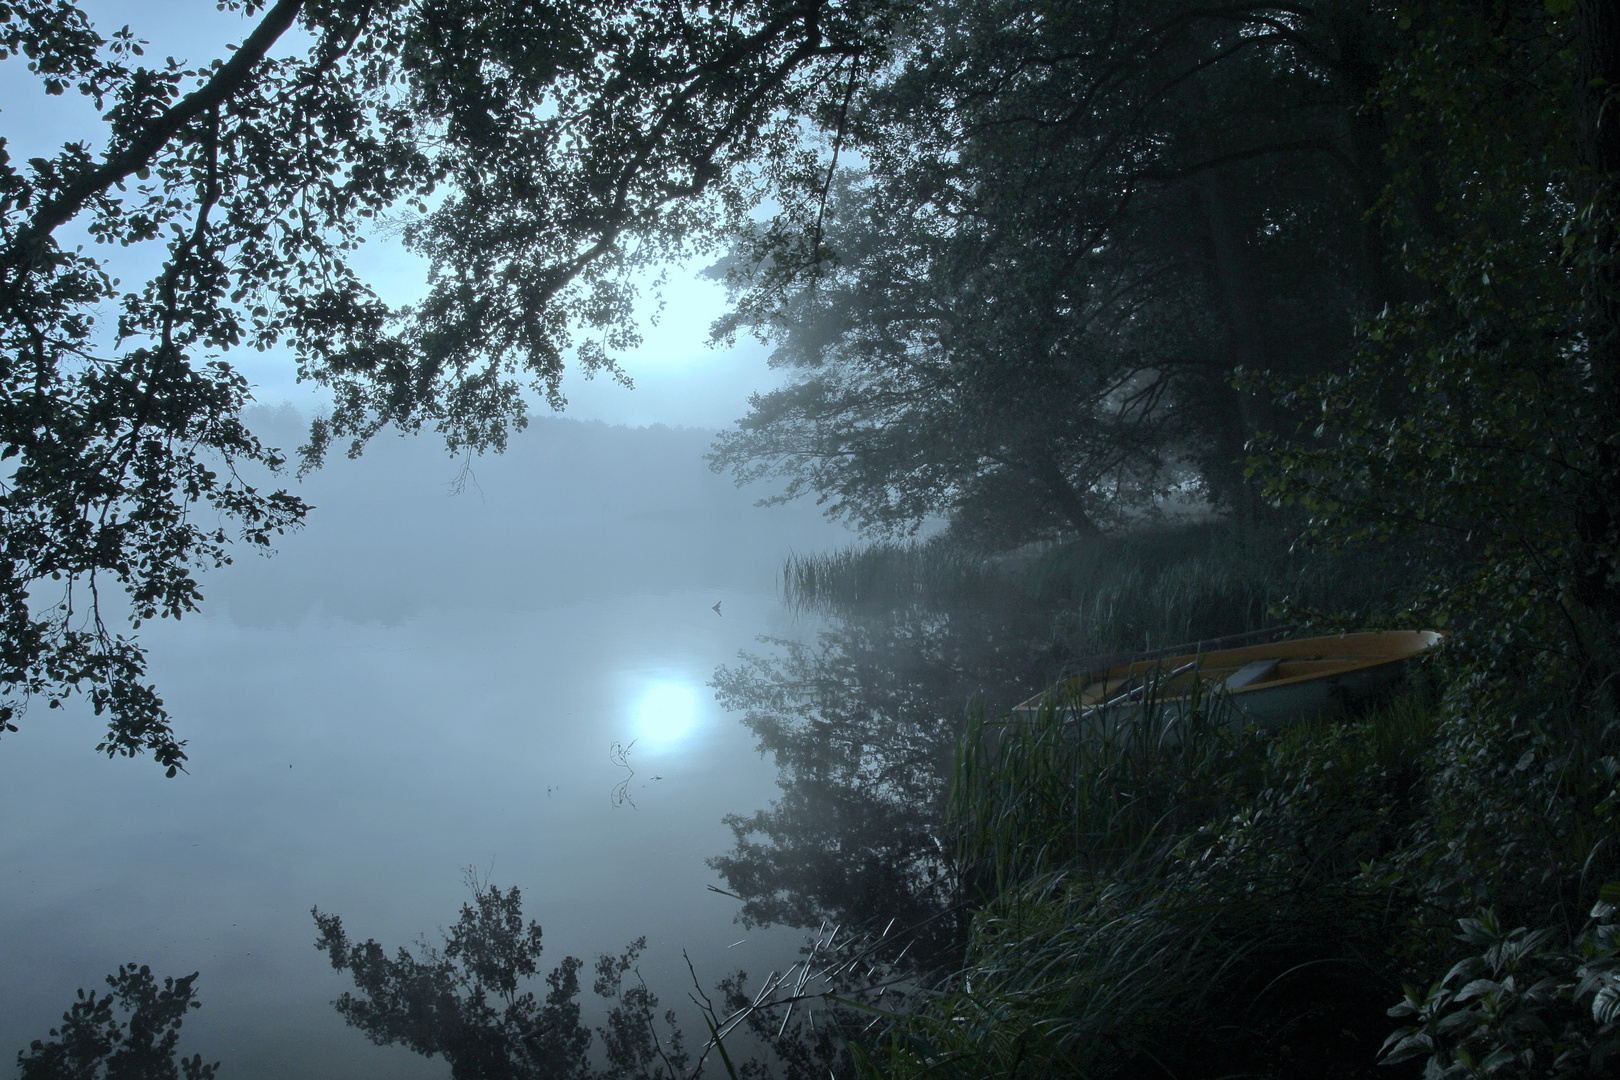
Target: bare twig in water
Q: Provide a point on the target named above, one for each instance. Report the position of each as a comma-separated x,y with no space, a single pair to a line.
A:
619,754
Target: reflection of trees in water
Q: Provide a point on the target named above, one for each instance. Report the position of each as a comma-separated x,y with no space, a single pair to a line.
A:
863,726
473,1002
94,1040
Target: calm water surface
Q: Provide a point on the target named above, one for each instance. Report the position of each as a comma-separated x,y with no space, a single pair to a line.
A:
418,683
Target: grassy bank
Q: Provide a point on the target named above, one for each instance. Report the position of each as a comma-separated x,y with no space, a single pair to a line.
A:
1245,903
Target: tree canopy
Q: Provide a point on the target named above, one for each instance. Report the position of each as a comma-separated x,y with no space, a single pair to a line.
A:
1343,257
532,152
1069,226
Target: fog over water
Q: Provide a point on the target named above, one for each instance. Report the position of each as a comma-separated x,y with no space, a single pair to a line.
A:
418,682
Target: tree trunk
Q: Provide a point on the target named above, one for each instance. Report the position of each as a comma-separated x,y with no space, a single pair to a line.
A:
1360,69
1065,499
1246,341
1597,118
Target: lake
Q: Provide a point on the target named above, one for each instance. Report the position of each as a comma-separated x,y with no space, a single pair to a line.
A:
420,682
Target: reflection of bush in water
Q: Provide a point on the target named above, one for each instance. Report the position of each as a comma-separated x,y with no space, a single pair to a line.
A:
95,1041
862,725
474,1003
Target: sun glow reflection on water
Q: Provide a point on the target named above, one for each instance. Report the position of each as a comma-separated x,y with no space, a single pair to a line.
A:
666,714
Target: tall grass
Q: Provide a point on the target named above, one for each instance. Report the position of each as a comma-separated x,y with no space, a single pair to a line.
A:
1133,606
1118,594
1157,890
889,576
1168,893
1083,790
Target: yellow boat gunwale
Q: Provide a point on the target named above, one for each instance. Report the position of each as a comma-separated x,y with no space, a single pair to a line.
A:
1327,656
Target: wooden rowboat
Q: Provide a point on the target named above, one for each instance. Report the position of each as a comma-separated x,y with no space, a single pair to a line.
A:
1266,684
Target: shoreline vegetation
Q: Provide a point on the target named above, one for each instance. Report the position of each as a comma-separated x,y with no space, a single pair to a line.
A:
1080,898
1422,885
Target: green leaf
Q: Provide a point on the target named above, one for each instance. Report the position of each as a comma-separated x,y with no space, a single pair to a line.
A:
1606,1005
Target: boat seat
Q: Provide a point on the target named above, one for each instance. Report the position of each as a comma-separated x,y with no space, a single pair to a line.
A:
1251,672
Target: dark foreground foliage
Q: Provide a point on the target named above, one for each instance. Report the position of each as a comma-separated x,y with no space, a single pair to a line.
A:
1190,898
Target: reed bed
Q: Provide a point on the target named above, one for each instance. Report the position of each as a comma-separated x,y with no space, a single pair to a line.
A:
1155,889
1100,596
892,577
1083,790
1137,916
